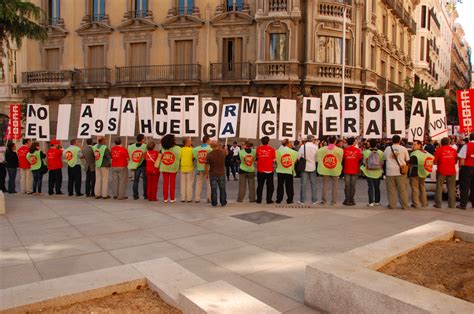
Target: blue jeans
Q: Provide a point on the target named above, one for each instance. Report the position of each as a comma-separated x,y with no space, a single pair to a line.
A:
374,190
305,175
139,172
37,181
218,182
11,180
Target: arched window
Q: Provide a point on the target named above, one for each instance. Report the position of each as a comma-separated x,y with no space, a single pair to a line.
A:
329,50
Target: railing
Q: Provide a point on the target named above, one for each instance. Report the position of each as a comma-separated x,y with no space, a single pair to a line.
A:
185,10
277,70
138,14
278,5
231,71
158,73
330,71
47,77
92,76
53,21
397,7
334,9
95,18
234,7
394,88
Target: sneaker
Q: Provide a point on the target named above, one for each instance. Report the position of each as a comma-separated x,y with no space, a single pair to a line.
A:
322,202
300,202
437,206
172,201
371,204
461,207
315,203
165,201
378,204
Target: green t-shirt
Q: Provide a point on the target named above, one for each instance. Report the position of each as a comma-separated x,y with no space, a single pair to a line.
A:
200,153
372,174
247,160
330,161
137,154
71,155
425,163
34,159
99,151
285,160
170,159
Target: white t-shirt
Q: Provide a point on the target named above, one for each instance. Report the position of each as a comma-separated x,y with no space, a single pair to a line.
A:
392,168
311,152
462,153
235,150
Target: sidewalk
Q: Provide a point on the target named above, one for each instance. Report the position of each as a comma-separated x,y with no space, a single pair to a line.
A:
48,237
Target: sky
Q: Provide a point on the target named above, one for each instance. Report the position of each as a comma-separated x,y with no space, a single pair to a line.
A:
466,14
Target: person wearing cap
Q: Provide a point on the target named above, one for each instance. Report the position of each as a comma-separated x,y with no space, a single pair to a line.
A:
55,165
102,167
308,151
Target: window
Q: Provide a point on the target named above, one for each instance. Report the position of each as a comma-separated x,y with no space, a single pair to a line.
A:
52,59
383,69
140,8
330,50
96,57
384,24
98,10
374,6
423,16
138,54
232,66
372,58
53,12
422,48
185,7
402,40
394,33
184,52
14,67
392,74
234,5
400,78
278,47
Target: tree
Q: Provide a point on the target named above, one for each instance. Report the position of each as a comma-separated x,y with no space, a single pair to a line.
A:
18,20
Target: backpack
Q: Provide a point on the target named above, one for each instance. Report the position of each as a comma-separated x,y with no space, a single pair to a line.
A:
374,162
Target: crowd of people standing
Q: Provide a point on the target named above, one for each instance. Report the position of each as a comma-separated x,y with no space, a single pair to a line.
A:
211,164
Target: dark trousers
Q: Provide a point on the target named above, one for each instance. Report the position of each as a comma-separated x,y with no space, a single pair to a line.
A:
55,181
350,181
230,167
466,184
374,190
285,181
139,172
262,179
37,181
11,179
74,178
90,182
218,183
3,175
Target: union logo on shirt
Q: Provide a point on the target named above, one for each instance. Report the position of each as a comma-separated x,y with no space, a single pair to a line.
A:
286,161
137,156
168,158
330,161
97,155
33,159
248,160
68,155
201,156
428,164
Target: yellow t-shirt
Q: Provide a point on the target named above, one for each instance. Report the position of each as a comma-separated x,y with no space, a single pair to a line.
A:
187,164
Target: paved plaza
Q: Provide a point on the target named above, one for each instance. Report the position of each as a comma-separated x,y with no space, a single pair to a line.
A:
262,254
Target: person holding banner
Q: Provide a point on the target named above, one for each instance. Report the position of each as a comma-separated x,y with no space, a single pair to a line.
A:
137,164
330,167
187,171
421,165
11,158
26,177
308,154
35,157
466,173
445,159
200,153
102,167
120,157
54,156
265,158
89,165
286,158
73,156
169,166
396,158
247,172
215,169
152,160
351,158
372,168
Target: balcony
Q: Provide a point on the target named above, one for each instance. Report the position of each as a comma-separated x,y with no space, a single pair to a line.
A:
92,78
397,8
47,79
53,21
139,14
329,73
334,10
278,5
277,71
147,75
231,73
103,18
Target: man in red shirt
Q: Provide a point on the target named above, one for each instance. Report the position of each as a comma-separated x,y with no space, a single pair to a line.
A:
445,159
54,156
26,177
120,159
265,158
351,159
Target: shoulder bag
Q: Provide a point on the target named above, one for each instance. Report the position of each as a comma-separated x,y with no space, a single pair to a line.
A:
404,168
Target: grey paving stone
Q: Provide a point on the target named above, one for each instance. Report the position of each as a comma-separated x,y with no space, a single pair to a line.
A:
261,217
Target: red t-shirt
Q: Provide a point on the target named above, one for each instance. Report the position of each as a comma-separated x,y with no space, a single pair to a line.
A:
23,162
150,158
445,158
119,156
265,157
55,158
352,156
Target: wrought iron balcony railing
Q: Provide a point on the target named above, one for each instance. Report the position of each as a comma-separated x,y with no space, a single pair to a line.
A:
92,76
158,73
231,71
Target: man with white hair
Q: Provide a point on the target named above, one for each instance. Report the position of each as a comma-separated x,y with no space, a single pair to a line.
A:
308,152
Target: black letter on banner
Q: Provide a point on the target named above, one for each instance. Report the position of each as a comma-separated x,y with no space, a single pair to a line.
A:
87,112
350,103
42,113
128,107
331,124
31,111
209,129
268,128
310,127
373,104
210,109
188,103
349,123
287,129
40,131
250,107
393,129
175,105
112,124
175,127
145,125
157,127
373,128
308,107
230,111
268,106
395,101
433,104
331,102
112,107
418,110
31,130
228,128
161,106
187,127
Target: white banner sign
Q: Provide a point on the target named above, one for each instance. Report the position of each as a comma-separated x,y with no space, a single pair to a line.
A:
85,121
190,116
351,115
64,117
175,115
160,117
249,117
417,120
311,114
113,115
145,115
287,121
230,114
268,117
438,125
331,103
373,114
128,116
395,114
37,122
99,116
210,118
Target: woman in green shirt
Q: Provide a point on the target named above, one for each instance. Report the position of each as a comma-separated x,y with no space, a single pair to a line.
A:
35,157
169,166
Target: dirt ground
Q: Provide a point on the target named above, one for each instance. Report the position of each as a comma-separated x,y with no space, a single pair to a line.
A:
445,266
138,301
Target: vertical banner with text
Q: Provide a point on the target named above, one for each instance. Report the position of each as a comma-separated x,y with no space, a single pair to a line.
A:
466,110
14,123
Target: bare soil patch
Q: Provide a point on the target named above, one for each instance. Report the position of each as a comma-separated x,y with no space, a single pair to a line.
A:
138,301
445,266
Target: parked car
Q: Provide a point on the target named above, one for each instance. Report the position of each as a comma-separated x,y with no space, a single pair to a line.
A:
430,183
